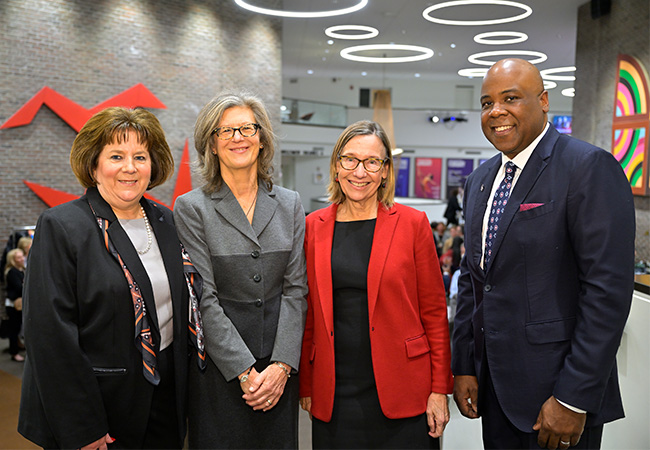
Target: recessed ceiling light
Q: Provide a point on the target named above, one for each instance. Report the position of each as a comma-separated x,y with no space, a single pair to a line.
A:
330,42
472,72
370,32
425,53
363,74
527,12
476,57
569,92
516,35
310,72
300,14
452,45
546,74
417,75
549,84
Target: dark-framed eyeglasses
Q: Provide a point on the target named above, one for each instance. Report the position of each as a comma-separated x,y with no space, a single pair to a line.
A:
227,133
370,164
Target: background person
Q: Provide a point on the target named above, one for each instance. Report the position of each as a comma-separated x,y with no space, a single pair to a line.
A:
245,236
543,303
375,366
14,275
89,378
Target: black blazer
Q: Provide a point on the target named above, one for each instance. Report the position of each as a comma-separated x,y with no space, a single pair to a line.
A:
83,374
548,312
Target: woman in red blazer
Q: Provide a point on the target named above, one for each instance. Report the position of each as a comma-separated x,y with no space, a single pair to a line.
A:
376,296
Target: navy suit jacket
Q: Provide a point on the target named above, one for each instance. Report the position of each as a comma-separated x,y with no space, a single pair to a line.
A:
546,315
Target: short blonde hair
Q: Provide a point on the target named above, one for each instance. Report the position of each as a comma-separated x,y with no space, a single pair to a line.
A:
112,125
11,260
385,194
205,141
24,243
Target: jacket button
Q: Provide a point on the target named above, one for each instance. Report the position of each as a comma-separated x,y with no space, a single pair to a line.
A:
257,278
487,288
255,254
258,302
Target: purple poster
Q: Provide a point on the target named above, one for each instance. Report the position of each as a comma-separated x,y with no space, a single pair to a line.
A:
402,182
457,172
427,177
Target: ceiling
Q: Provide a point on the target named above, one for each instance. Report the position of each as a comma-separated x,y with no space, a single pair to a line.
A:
551,29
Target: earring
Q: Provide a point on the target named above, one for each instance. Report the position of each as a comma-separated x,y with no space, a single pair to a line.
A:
261,146
383,183
337,178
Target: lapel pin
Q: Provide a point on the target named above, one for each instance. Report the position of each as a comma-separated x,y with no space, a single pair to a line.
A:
482,187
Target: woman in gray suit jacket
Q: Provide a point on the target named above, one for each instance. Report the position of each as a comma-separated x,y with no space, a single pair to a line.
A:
245,237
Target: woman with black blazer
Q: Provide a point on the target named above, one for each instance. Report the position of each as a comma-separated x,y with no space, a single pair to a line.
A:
106,301
14,276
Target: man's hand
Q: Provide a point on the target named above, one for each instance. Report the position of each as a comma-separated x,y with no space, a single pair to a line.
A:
558,426
466,395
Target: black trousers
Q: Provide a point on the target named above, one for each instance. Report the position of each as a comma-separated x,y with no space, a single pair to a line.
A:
500,433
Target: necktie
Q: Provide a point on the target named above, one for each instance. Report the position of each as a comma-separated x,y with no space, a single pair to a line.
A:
498,206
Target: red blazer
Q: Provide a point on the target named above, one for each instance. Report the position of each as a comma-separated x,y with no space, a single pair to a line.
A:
409,333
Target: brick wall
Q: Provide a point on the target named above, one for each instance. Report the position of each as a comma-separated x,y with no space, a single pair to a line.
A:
184,51
625,30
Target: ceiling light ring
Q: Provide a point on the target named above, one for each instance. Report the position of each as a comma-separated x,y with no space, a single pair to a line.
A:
546,73
476,57
426,53
548,85
527,12
332,32
569,92
301,15
518,37
471,72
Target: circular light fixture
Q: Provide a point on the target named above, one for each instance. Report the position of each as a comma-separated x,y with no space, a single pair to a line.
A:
476,57
516,35
299,14
478,72
527,12
546,74
396,151
549,84
569,92
425,53
370,32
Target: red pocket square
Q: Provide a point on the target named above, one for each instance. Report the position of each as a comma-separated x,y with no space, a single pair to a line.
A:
527,206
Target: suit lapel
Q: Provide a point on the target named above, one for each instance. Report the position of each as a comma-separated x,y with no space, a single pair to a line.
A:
323,235
534,167
381,242
481,199
228,207
264,209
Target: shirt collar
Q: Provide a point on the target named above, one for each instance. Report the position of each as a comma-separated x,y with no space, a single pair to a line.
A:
522,158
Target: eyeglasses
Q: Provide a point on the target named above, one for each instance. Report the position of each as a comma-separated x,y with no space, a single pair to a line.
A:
370,164
227,133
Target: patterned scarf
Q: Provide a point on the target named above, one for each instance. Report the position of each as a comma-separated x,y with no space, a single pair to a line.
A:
143,336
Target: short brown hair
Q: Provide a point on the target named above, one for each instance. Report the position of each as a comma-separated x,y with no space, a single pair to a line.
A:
204,140
112,125
386,195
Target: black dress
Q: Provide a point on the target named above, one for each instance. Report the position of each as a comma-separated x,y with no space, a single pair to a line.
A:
357,419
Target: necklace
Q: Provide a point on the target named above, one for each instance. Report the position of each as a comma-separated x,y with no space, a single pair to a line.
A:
147,226
251,206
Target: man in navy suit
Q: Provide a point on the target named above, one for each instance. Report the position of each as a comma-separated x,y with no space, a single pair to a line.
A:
540,318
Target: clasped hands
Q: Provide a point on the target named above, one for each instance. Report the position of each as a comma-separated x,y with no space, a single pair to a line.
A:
558,426
263,390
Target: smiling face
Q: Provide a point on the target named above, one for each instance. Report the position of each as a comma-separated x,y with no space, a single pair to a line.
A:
122,174
239,153
514,105
358,184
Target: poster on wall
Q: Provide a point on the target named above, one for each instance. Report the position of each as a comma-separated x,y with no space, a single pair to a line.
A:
402,181
428,173
457,172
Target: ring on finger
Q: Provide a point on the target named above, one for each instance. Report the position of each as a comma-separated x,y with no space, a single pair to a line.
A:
565,442
269,402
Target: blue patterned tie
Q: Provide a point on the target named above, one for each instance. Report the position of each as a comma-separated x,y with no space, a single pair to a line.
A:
498,206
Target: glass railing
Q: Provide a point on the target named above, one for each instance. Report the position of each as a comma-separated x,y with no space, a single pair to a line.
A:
313,113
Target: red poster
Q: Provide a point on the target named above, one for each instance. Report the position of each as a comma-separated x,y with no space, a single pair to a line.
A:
428,172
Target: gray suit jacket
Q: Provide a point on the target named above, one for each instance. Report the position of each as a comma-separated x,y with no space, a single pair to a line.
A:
254,276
